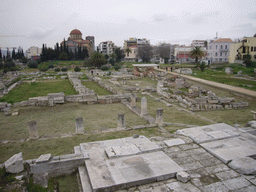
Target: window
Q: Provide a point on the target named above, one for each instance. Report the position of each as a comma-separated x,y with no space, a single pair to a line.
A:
226,54
221,46
226,47
216,46
221,54
216,54
216,59
220,59
251,49
254,49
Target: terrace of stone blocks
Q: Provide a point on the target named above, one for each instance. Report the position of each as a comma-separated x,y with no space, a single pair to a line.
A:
100,99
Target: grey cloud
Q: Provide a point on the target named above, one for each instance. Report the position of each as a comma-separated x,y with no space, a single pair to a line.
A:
41,33
162,18
201,18
252,15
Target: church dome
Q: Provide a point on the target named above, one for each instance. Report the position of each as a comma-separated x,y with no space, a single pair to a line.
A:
75,32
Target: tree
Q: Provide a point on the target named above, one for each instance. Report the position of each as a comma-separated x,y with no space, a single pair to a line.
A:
0,54
97,59
196,53
63,56
202,66
127,51
13,53
145,53
164,51
9,63
119,54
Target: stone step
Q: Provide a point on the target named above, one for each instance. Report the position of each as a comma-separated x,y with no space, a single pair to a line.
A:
84,179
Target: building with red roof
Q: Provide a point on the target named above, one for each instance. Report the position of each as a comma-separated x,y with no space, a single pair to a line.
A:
76,40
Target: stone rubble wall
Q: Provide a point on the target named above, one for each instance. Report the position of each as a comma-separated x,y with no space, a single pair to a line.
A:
201,103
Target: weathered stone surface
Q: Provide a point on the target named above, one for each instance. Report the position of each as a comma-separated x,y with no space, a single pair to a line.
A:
33,134
79,125
236,183
15,163
121,122
44,158
144,106
173,142
159,117
179,187
183,176
244,165
41,179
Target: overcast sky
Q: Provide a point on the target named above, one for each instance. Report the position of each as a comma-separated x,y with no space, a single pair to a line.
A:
28,23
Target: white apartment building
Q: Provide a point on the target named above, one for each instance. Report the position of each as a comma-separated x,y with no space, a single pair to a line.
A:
106,47
135,41
33,51
218,51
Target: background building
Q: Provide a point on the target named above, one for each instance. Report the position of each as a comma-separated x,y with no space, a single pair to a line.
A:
106,47
32,52
218,50
198,43
242,48
75,40
135,41
131,56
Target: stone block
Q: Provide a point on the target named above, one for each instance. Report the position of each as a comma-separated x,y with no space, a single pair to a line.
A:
244,165
183,176
79,125
44,158
41,179
15,163
173,142
33,133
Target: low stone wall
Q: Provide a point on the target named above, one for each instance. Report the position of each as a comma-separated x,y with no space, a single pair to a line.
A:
57,165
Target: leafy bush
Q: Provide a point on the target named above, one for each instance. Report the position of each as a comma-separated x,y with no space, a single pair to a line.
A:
77,69
112,61
104,68
116,67
64,69
57,69
32,64
51,66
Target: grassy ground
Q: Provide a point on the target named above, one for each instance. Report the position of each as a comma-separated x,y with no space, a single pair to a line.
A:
97,89
34,148
60,120
26,90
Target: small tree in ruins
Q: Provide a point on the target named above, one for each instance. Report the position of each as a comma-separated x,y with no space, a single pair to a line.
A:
145,53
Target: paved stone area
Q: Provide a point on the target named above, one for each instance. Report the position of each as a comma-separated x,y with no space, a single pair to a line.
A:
127,162
206,171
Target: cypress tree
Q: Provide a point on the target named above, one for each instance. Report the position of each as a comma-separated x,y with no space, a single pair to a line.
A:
0,54
13,54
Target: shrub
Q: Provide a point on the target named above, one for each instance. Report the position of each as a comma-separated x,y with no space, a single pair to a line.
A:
112,61
32,64
51,66
57,69
77,69
43,67
64,69
116,67
248,62
104,68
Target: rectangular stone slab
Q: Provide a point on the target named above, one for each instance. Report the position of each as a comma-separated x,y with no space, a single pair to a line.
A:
231,148
128,171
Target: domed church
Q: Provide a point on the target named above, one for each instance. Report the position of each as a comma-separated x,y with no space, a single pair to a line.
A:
75,40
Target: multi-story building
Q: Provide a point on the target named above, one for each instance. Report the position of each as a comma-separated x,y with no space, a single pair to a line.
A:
218,50
182,53
135,41
33,51
132,55
198,43
242,48
106,47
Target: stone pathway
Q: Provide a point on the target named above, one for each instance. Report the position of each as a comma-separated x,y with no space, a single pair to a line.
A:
215,84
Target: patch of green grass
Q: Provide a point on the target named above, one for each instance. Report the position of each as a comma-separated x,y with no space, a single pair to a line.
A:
27,90
34,148
221,77
60,120
96,88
